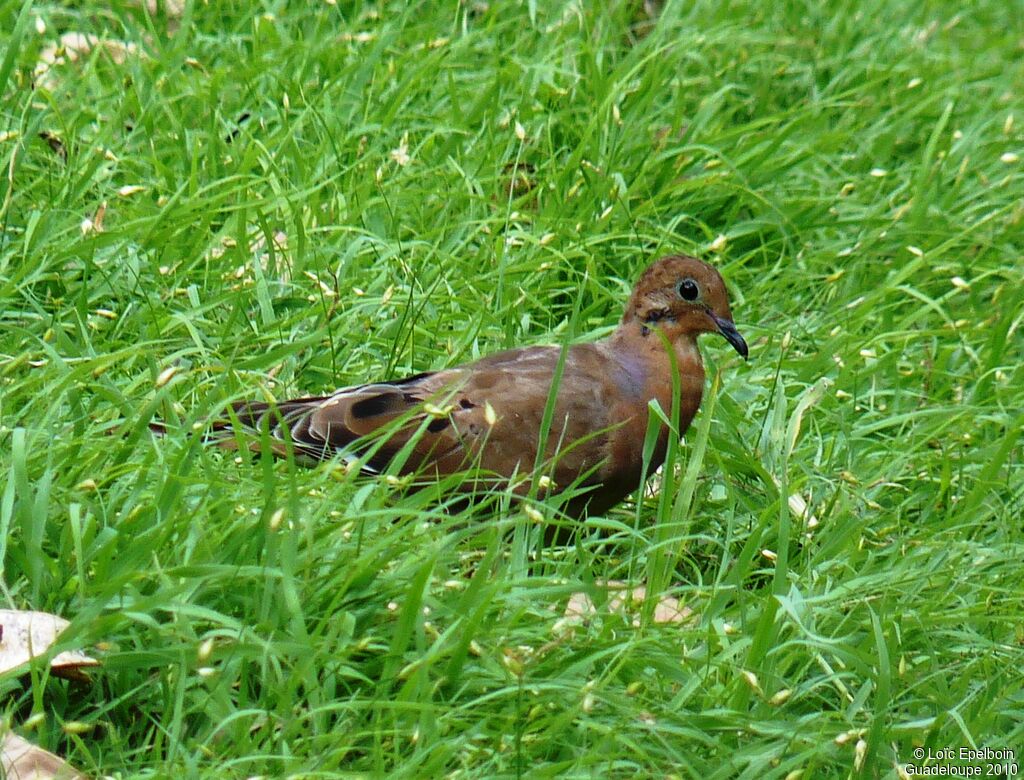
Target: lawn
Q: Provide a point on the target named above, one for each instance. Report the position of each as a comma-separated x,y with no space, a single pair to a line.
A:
228,201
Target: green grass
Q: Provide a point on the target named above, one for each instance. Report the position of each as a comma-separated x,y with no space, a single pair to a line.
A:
259,618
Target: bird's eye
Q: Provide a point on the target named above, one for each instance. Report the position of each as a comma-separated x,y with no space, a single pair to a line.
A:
688,290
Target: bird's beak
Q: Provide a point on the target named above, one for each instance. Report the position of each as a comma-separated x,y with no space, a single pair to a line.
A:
728,329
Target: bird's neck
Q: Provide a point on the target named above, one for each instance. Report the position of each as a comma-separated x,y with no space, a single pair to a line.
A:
647,355
650,345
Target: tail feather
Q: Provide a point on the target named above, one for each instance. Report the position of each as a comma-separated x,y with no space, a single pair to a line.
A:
252,414
373,423
255,416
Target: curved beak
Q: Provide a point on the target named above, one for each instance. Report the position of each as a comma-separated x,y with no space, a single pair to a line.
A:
728,329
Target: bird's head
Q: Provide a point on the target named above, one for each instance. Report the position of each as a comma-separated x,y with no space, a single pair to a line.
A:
682,296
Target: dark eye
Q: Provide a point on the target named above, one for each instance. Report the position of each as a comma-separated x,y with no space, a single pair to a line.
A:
688,290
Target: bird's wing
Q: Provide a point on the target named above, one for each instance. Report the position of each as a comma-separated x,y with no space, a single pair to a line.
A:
500,406
487,414
373,422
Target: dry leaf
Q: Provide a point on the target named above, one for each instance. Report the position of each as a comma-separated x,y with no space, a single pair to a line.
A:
260,251
579,607
259,243
628,603
279,243
56,145
96,222
520,179
645,17
71,47
28,634
401,154
172,8
21,760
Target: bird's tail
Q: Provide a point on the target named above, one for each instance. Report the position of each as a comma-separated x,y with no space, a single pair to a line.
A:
255,418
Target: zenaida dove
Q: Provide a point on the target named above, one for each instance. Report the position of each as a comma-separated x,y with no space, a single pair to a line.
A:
488,414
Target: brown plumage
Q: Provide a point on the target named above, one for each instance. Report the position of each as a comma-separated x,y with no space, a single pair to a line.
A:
488,414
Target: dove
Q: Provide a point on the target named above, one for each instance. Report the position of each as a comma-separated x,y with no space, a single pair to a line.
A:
488,415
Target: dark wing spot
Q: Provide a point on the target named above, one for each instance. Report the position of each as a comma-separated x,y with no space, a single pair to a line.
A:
375,405
465,403
438,425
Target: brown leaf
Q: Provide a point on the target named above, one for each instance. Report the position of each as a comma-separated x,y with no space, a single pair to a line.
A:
520,179
645,17
26,635
95,223
21,760
172,8
73,46
56,145
628,603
